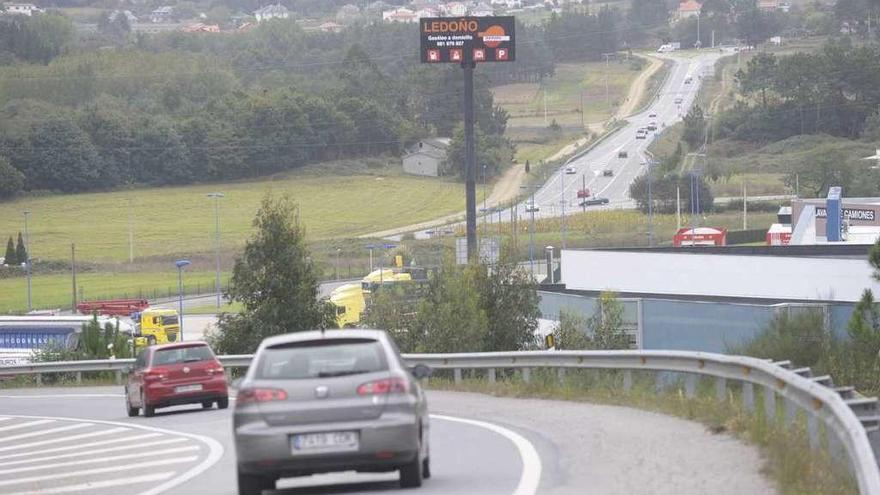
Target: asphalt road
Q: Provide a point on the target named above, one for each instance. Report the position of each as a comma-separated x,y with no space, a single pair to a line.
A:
70,444
588,169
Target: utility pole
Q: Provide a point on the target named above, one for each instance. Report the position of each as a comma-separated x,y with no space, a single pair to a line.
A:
216,196
745,207
130,234
27,260
562,202
545,107
532,236
650,206
73,274
607,95
470,160
678,207
583,188
582,109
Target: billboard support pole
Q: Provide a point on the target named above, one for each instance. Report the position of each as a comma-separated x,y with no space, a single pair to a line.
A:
470,161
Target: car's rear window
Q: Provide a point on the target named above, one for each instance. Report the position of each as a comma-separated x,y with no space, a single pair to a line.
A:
182,355
322,358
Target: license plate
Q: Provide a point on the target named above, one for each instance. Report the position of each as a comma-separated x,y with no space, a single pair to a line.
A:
188,388
331,441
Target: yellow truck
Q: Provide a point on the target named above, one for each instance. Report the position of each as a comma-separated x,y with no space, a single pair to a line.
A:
351,299
155,326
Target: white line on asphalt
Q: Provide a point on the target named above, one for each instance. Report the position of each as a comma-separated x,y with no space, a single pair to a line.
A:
59,396
215,451
60,440
85,449
87,472
50,431
531,472
5,419
94,485
98,460
25,425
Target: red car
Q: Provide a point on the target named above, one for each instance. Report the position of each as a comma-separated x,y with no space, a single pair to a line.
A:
174,374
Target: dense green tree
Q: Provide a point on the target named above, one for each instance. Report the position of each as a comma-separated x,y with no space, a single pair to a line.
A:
58,155
451,317
11,179
647,14
604,330
275,281
94,342
37,38
663,192
694,132
21,254
11,258
510,299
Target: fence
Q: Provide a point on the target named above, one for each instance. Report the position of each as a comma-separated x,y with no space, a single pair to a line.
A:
846,419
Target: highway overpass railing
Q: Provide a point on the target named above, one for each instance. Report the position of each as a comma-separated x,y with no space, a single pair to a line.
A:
850,422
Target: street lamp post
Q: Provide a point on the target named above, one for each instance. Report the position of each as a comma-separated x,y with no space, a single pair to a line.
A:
216,197
531,211
371,247
338,250
562,202
180,264
27,260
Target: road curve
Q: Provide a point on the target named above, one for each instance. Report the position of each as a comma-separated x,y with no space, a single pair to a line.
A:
563,447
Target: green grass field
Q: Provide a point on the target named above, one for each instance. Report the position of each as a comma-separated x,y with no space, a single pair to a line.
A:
54,291
179,221
525,101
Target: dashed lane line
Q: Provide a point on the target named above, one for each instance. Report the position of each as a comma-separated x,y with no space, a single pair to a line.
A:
50,431
98,460
95,485
87,450
61,439
88,472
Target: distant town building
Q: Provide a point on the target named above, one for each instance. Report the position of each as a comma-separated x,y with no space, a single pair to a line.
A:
162,14
426,157
768,5
454,9
200,27
689,8
276,11
331,27
131,18
510,4
401,14
27,9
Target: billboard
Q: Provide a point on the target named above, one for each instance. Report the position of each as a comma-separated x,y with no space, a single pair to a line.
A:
467,39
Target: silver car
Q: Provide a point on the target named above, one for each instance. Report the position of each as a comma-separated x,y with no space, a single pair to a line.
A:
338,400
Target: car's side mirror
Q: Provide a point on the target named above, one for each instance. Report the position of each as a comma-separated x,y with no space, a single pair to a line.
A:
421,371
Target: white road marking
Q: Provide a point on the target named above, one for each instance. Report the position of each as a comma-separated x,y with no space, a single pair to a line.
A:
5,419
39,433
99,460
531,472
62,439
215,450
94,485
111,469
85,449
26,425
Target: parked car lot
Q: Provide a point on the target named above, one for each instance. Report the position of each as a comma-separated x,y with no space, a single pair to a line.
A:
325,401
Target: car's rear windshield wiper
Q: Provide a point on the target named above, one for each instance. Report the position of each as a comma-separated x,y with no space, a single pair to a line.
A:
325,374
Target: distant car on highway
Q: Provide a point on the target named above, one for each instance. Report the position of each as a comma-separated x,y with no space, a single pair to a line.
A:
652,126
327,401
688,79
175,374
607,172
531,207
652,115
641,133
678,100
570,170
594,202
622,154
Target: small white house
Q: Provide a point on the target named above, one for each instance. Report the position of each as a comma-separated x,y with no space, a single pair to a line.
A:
162,14
27,9
400,15
426,157
454,9
276,11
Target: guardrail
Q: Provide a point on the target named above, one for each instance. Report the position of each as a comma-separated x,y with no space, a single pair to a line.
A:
815,396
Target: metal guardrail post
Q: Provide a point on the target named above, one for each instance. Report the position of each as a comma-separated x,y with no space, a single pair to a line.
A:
119,377
491,375
721,389
39,379
769,405
79,377
690,386
748,396
813,431
790,411
627,381
527,375
456,375
560,375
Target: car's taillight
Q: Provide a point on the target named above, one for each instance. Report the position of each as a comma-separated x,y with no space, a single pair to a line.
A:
393,385
215,369
260,395
155,376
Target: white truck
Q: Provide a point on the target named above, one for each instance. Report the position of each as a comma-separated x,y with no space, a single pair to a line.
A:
669,47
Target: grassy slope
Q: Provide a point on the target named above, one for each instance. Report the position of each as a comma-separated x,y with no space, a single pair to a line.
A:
175,221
